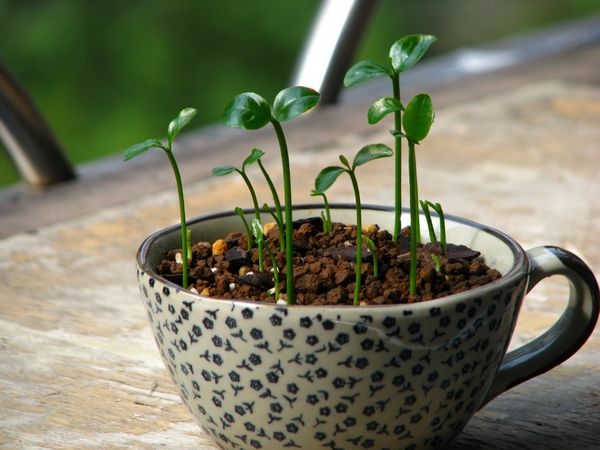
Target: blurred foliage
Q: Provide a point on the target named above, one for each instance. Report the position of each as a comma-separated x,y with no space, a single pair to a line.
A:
106,73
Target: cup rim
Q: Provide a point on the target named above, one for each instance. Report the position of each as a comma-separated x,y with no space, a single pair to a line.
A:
519,268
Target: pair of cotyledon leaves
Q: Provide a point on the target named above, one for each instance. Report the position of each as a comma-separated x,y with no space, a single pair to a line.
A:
182,119
252,112
255,155
404,53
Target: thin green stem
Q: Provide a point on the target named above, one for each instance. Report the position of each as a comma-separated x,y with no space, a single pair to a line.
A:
425,207
289,231
398,160
438,209
275,272
279,225
275,201
414,216
327,215
257,215
358,267
371,246
184,237
240,213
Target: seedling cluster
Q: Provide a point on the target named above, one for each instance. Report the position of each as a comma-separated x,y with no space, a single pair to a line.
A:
251,111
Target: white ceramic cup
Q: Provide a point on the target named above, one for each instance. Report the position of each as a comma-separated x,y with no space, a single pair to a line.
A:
258,375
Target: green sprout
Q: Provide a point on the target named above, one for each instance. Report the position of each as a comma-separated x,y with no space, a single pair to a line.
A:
259,233
438,264
403,54
371,246
279,223
417,121
327,224
255,155
438,209
327,177
240,212
175,127
252,112
278,215
425,207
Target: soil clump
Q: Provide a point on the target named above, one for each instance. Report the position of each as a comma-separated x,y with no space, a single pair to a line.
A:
324,267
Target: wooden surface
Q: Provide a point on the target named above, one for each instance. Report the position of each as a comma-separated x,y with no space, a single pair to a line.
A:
518,151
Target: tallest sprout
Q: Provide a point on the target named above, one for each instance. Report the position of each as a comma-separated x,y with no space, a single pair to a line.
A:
252,112
417,121
403,54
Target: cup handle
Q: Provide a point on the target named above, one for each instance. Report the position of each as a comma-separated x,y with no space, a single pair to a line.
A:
567,335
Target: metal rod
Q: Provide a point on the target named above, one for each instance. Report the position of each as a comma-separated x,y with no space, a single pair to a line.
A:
331,46
29,140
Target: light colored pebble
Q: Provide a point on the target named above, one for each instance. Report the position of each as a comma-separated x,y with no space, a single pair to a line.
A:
281,302
219,247
205,292
178,258
369,229
269,226
245,270
231,286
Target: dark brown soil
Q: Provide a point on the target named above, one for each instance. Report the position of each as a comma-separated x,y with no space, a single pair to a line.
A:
324,268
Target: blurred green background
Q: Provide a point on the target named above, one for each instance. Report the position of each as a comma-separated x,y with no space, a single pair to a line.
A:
110,73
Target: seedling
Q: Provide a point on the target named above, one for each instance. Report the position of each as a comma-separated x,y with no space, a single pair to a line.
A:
279,223
427,214
175,127
403,54
240,212
278,216
371,246
327,225
252,112
327,177
255,155
438,208
417,121
438,265
259,235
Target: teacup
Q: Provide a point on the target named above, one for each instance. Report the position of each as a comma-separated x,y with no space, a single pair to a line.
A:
408,376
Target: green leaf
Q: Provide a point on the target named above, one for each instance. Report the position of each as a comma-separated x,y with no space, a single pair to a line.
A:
344,161
364,71
179,122
255,155
371,152
257,230
293,101
247,110
418,117
406,51
221,171
382,108
327,177
314,193
143,147
397,133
